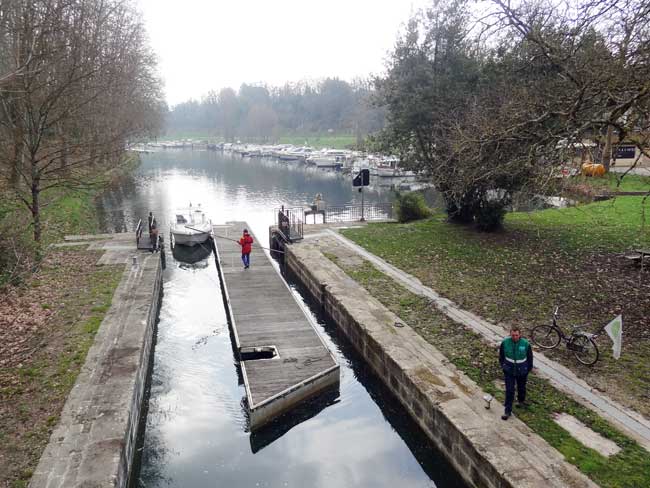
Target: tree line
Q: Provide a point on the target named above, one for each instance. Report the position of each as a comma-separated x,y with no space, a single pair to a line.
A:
77,81
490,100
259,112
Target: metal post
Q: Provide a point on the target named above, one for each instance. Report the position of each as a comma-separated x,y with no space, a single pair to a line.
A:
361,190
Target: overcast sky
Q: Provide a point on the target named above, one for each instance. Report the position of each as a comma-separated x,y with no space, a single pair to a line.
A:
210,44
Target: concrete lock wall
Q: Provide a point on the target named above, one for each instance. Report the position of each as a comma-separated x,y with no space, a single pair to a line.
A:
487,454
94,442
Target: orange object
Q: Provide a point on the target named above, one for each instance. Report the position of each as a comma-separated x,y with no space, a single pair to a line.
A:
591,169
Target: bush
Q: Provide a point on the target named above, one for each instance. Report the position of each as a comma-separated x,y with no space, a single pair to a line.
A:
489,215
411,206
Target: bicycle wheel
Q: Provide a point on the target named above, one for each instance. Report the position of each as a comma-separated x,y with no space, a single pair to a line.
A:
585,349
545,336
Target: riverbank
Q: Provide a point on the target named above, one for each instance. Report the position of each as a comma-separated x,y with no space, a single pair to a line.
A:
475,356
446,402
63,211
94,441
48,321
47,326
318,141
572,257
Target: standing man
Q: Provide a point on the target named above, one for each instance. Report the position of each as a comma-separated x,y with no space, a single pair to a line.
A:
246,243
516,359
153,235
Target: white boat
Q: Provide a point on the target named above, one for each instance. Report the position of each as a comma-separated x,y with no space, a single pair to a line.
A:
190,227
329,158
294,154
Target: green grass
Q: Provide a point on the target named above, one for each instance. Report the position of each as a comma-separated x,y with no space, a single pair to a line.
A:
196,135
341,141
613,181
611,225
69,213
630,468
332,141
63,211
571,258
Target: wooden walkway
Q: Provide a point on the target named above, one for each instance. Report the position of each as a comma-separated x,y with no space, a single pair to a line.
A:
264,317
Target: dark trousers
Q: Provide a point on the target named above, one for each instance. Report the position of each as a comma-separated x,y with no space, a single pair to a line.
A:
246,259
520,383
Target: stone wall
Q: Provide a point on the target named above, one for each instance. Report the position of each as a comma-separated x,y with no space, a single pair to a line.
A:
448,406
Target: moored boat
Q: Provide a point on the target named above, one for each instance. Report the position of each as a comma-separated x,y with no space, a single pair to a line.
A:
191,227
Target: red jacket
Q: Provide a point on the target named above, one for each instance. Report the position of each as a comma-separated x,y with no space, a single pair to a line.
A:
245,243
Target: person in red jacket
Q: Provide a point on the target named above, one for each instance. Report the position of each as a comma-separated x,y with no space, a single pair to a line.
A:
246,243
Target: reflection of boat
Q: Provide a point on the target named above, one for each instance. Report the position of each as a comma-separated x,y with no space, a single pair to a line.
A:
191,254
191,227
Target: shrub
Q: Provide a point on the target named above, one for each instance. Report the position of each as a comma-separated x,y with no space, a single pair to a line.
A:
411,206
489,215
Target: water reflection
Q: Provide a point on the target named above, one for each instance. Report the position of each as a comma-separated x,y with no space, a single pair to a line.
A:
283,424
196,427
192,255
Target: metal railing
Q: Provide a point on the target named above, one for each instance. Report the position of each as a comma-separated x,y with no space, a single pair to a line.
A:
138,233
289,222
358,212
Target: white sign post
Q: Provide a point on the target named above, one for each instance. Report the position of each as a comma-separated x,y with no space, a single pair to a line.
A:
615,331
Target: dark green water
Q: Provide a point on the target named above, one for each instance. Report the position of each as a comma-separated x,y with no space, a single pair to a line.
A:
196,434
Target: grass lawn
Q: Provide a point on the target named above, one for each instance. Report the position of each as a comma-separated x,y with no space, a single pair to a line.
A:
612,182
330,141
630,468
567,257
196,135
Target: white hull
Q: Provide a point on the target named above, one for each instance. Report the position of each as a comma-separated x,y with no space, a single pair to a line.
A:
185,239
191,227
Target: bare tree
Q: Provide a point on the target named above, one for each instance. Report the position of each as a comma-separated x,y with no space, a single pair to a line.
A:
85,84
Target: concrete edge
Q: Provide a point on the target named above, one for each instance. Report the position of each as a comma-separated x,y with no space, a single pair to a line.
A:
629,422
465,441
94,441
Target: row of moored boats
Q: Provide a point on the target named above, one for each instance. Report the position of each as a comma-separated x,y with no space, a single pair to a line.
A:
343,160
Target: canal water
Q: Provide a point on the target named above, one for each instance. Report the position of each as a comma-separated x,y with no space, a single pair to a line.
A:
195,431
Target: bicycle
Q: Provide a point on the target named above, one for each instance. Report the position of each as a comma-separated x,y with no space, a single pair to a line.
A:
581,343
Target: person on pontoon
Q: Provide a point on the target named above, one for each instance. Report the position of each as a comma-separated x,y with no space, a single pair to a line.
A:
246,243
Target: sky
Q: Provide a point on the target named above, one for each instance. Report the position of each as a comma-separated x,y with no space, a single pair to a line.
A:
205,45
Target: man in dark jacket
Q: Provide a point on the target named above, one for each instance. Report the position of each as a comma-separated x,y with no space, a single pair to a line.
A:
516,359
246,243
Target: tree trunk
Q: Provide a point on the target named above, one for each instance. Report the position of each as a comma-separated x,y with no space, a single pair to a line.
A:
607,151
36,216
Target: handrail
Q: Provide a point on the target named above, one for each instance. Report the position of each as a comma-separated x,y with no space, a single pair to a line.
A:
354,212
138,232
290,223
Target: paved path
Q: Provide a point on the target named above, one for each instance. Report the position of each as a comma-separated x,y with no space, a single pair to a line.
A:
632,423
